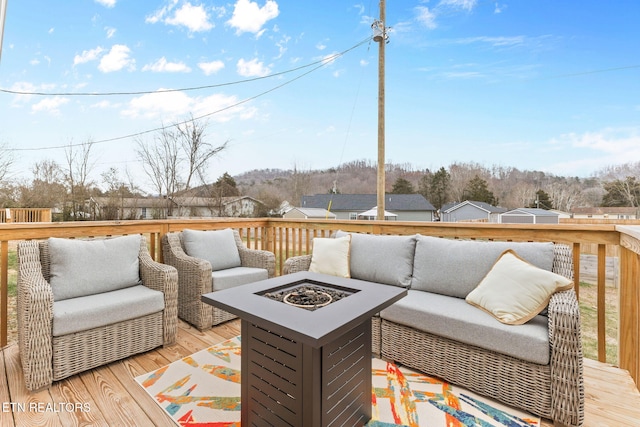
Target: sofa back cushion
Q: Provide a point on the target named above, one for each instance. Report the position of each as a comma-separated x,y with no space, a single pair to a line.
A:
217,246
88,267
382,259
455,267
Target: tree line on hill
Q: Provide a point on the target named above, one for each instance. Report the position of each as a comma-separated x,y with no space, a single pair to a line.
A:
176,159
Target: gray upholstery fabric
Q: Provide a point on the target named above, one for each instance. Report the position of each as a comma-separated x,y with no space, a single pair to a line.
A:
88,312
88,267
453,318
382,259
232,277
456,267
217,246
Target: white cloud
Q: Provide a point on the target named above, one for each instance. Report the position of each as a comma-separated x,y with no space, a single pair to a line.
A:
426,17
87,55
252,68
110,31
51,30
195,18
248,17
171,106
212,67
34,61
117,59
162,66
321,46
331,57
107,3
49,105
459,4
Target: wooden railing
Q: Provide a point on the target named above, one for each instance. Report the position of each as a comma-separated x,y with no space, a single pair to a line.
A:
25,215
288,238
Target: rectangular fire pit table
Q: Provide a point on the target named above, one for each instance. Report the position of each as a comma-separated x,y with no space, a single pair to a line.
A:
302,367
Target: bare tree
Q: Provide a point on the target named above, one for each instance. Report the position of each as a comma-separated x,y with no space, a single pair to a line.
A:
197,151
79,167
6,161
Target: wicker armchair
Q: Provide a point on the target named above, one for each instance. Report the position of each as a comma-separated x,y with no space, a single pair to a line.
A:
47,356
196,277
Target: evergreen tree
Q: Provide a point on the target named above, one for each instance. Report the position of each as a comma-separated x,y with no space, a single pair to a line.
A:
402,186
439,188
542,201
477,189
226,186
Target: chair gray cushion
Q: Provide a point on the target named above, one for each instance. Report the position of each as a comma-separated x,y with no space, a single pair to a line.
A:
88,312
88,267
453,318
382,259
218,247
232,277
456,267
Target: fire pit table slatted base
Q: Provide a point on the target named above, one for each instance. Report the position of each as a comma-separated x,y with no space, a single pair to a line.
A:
288,383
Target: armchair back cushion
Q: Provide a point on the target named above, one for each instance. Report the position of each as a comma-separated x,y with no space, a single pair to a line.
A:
381,259
437,259
217,246
88,267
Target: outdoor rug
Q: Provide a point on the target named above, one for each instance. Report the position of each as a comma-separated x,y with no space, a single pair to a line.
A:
204,390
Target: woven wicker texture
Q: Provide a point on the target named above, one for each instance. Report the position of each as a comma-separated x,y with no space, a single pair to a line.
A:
194,279
46,359
554,391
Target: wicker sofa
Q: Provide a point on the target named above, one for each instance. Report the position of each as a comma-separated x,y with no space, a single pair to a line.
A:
536,366
208,261
85,303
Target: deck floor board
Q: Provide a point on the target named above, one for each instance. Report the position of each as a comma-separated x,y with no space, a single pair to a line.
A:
114,398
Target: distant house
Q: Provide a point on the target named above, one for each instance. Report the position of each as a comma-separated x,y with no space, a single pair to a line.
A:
529,216
309,213
407,207
158,207
470,210
604,212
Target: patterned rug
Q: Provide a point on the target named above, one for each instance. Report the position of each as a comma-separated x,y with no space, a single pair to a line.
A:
204,390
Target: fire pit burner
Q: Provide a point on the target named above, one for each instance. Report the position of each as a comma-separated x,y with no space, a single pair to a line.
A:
307,296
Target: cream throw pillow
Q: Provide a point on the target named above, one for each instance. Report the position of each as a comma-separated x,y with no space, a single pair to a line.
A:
331,256
515,291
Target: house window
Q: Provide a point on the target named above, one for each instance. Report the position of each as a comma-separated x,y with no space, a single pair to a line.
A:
144,213
353,215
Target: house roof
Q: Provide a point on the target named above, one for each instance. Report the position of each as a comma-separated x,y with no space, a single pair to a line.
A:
364,202
531,212
480,205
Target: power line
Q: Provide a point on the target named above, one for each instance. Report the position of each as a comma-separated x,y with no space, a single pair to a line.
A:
146,92
321,63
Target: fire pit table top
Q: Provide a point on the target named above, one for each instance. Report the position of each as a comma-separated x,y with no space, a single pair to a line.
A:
315,328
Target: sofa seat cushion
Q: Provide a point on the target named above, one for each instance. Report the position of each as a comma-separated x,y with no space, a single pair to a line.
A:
87,267
232,277
217,246
92,311
381,259
453,318
455,267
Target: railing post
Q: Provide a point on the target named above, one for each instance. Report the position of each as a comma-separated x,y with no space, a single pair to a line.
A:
629,316
4,292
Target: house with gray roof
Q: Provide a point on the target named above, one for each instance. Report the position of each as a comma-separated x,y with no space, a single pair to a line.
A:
469,211
530,216
406,207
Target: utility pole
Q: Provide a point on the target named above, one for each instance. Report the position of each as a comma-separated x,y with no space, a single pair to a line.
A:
380,36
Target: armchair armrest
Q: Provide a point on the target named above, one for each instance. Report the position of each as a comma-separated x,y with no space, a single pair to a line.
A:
566,358
297,263
258,259
35,318
163,278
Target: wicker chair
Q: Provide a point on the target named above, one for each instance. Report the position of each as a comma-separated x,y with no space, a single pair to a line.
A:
46,358
196,277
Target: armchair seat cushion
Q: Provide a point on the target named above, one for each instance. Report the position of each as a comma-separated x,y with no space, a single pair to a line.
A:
454,318
87,267
232,277
88,312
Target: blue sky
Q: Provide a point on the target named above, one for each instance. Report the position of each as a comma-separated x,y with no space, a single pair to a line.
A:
538,85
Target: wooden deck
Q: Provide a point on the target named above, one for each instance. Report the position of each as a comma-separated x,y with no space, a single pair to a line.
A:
109,396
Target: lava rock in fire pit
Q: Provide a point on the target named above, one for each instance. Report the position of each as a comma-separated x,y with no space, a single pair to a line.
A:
310,297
